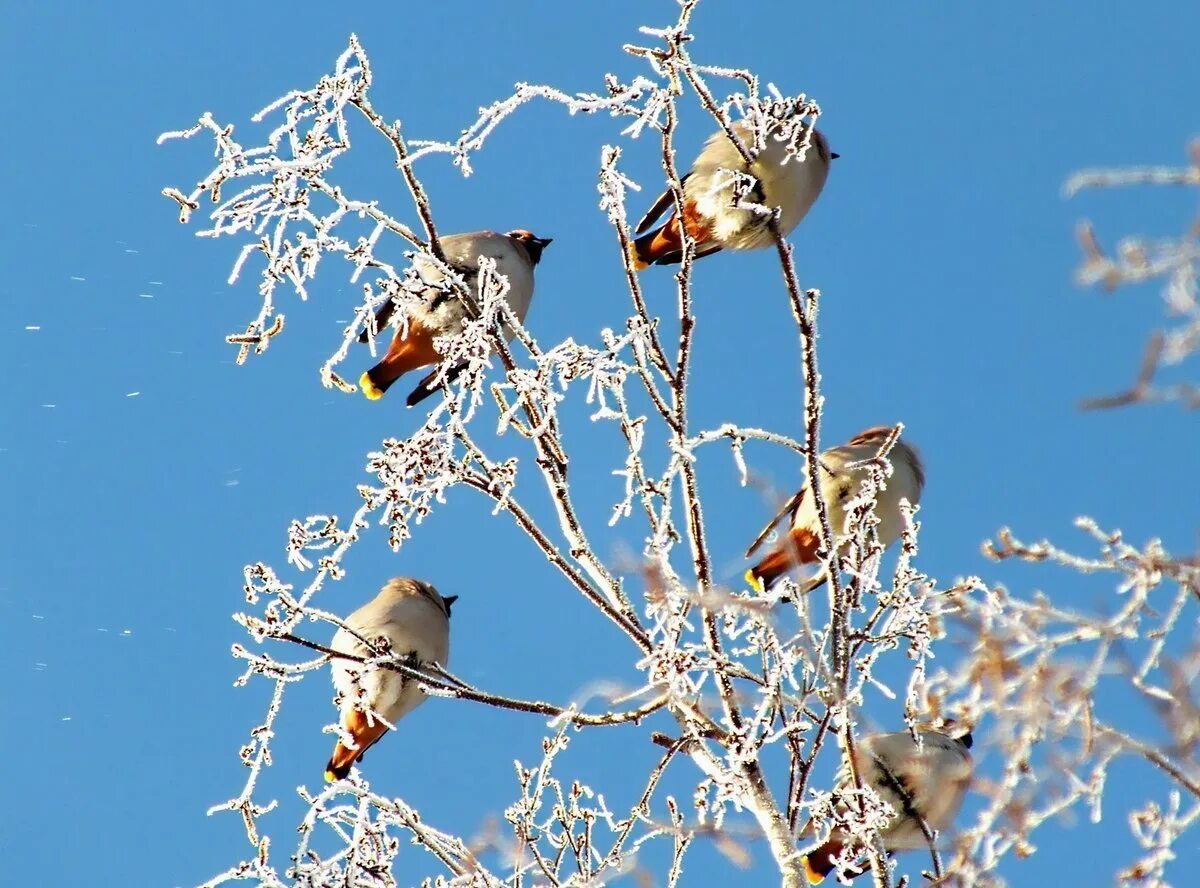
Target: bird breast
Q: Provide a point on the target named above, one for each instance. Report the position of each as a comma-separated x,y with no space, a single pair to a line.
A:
415,626
788,183
936,775
445,316
840,485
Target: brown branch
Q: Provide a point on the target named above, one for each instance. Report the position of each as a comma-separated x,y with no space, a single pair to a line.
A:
701,561
393,135
1143,391
796,790
657,352
1152,755
643,805
450,685
910,810
551,458
526,523
1141,387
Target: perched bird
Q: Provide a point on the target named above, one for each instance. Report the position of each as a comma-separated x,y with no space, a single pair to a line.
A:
708,197
440,314
919,782
415,619
838,486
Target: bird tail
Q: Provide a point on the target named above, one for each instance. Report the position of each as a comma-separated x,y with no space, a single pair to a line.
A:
764,574
407,352
818,863
799,547
366,733
662,246
340,763
374,383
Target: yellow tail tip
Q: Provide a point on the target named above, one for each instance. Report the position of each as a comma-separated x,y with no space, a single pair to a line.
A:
754,582
330,777
370,389
638,263
814,877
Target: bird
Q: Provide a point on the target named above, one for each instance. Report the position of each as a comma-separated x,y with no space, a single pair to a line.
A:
926,782
839,485
415,619
440,314
709,213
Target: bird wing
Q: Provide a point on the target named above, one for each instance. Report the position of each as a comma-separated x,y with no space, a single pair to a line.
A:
789,508
676,256
665,200
812,584
427,386
469,271
381,320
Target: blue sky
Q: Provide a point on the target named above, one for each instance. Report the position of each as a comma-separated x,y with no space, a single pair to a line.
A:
941,243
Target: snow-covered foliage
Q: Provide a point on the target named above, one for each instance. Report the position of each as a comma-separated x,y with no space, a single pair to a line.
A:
728,674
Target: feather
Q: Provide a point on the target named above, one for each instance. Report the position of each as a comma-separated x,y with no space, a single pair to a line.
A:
381,320
665,200
788,508
812,583
675,257
427,386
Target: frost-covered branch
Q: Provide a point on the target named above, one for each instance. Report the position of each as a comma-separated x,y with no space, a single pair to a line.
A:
1049,677
1138,260
751,692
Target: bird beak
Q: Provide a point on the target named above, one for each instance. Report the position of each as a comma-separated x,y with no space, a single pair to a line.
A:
534,246
834,156
967,740
449,600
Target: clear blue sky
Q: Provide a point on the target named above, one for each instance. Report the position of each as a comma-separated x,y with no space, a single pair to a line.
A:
941,243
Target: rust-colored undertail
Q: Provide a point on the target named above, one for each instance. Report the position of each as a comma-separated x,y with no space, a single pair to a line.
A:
365,736
819,863
653,246
664,245
406,353
799,547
